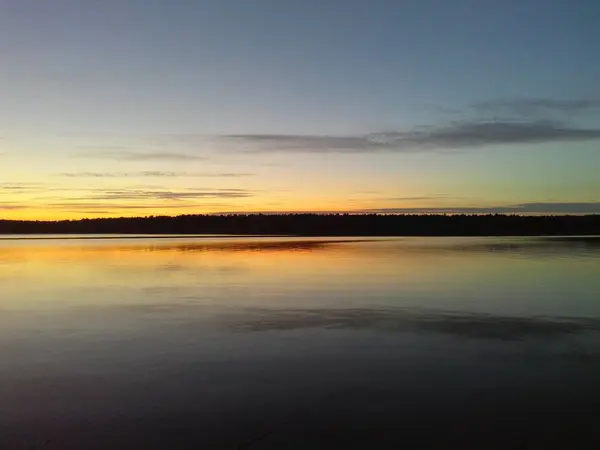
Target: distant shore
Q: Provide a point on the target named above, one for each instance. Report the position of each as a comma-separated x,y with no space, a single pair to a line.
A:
315,225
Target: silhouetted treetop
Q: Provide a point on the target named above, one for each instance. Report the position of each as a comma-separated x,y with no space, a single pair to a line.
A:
319,225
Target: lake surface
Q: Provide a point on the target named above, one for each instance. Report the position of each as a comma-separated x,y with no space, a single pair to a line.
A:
290,343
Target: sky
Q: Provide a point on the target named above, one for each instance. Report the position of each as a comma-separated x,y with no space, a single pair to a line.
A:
163,107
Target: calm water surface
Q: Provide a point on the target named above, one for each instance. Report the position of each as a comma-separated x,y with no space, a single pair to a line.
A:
236,343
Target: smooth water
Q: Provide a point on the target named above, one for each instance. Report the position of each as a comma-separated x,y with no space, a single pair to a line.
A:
235,343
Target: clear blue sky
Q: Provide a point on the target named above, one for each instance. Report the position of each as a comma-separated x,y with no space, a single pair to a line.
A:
142,106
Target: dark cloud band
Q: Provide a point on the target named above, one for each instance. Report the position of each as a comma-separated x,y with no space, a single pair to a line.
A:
453,136
522,208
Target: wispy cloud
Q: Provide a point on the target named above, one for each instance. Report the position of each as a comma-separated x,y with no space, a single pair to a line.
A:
457,135
493,122
154,174
22,187
538,107
143,194
96,207
100,201
521,208
141,156
417,199
11,206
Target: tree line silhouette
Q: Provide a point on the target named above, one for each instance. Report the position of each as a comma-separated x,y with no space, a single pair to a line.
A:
320,225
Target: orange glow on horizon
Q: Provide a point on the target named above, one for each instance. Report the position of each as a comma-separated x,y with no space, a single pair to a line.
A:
46,214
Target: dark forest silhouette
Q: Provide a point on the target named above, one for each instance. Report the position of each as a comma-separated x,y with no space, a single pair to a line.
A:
320,225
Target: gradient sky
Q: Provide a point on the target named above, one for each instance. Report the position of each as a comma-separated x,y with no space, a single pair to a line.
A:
139,107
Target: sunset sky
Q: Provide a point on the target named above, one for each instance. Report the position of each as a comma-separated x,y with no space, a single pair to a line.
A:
142,107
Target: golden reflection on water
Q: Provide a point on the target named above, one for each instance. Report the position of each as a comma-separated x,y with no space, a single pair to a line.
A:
122,339
266,270
263,260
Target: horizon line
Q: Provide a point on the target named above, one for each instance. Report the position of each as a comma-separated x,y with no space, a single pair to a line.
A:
311,213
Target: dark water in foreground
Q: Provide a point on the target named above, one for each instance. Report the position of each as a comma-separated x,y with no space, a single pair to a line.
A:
238,343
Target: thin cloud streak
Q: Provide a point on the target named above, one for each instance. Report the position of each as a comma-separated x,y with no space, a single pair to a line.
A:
522,208
153,174
95,206
9,206
141,194
537,107
14,188
458,135
415,199
148,156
